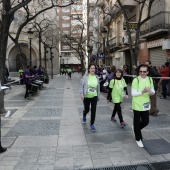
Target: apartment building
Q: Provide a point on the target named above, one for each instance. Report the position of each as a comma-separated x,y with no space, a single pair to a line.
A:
155,35
154,43
69,19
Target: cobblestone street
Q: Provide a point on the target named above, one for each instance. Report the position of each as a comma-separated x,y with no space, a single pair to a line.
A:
46,133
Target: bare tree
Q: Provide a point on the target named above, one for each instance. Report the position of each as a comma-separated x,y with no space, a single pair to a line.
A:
50,40
8,10
40,26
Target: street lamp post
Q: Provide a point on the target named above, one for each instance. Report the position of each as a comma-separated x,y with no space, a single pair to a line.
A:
104,35
30,37
60,63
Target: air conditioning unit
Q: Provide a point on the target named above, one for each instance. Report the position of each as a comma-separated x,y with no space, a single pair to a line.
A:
125,39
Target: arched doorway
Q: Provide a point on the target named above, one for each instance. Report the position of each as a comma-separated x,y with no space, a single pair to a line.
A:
21,60
15,60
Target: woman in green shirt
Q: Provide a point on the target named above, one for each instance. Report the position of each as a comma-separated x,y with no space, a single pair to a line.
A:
142,88
90,94
118,91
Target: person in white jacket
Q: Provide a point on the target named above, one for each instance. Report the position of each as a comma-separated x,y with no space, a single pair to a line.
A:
142,88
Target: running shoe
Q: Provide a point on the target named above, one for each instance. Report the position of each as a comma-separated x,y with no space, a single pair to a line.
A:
113,119
92,127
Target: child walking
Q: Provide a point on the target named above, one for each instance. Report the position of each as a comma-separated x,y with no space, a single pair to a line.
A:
118,90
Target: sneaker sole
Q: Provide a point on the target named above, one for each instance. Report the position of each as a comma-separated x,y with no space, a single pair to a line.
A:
122,126
93,130
113,120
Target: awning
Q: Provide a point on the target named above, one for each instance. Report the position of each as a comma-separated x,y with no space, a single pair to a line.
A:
124,49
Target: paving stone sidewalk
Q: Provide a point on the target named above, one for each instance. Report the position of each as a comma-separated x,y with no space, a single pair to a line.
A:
46,133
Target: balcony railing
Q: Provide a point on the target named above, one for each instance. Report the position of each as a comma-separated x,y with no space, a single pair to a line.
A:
115,42
158,21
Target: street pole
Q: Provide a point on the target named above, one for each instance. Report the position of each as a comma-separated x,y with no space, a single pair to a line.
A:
104,35
104,53
30,36
45,58
51,63
60,63
40,47
30,54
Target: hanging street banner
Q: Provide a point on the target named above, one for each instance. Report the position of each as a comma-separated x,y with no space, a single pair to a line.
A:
132,26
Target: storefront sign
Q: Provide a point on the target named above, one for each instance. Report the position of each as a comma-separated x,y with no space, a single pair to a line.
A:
155,43
132,26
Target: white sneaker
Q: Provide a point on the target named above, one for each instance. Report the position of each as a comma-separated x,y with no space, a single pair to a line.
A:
140,144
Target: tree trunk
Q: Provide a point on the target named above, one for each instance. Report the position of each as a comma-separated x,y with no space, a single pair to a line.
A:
40,48
3,46
20,54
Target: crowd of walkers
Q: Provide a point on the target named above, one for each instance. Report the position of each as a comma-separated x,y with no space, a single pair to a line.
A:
114,81
67,72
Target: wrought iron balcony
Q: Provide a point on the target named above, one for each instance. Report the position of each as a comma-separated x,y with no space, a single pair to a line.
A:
115,42
160,21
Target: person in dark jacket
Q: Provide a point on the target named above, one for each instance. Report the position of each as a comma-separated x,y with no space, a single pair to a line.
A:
26,80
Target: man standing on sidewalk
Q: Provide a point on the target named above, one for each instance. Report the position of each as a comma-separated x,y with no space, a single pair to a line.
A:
153,73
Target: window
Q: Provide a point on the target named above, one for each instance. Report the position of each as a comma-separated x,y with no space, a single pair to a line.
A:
66,32
76,17
66,47
66,25
76,7
73,22
65,17
65,9
75,45
65,2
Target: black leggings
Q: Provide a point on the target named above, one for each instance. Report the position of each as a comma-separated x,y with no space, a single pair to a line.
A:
118,109
141,119
27,89
93,102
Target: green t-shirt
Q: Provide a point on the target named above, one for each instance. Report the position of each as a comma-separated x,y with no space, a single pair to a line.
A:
141,102
117,90
92,86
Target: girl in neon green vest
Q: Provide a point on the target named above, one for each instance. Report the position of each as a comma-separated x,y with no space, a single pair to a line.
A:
118,89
